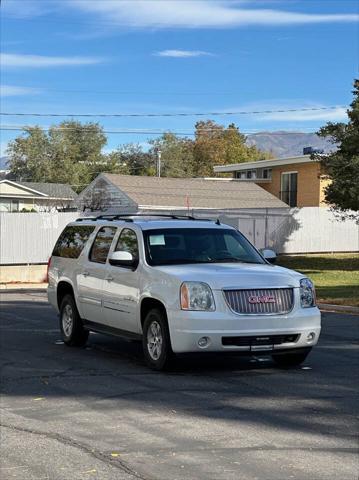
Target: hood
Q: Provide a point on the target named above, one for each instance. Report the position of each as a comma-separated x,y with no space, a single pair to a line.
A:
239,275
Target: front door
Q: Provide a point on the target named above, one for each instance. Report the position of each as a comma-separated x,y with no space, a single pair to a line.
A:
121,290
91,277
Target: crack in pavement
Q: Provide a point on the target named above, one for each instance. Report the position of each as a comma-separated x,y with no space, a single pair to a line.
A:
114,462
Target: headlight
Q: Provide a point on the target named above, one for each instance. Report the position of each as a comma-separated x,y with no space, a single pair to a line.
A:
196,296
307,293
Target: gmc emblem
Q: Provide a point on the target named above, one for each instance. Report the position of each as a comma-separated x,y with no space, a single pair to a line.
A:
261,299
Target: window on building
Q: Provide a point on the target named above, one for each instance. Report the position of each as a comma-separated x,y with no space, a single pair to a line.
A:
267,173
102,244
289,182
9,205
251,174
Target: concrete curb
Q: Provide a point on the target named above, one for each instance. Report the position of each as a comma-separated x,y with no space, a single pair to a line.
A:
12,287
338,308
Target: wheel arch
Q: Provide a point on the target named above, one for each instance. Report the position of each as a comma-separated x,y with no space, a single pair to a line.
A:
147,304
64,287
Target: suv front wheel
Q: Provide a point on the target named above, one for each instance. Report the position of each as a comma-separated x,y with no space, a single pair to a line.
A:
72,330
156,340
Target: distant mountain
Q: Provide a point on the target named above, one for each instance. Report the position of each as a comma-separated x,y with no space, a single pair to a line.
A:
288,144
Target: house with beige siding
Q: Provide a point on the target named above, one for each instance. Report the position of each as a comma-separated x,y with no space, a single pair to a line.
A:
33,196
297,181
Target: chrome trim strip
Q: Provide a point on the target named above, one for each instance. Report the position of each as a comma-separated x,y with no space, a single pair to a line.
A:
89,300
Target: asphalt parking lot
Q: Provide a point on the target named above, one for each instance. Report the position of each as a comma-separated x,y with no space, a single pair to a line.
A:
100,413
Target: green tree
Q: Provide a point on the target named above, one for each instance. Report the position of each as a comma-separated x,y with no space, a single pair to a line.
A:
134,161
68,153
176,155
29,156
217,145
342,165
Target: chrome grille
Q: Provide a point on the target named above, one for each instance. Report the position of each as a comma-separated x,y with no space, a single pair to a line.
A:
265,301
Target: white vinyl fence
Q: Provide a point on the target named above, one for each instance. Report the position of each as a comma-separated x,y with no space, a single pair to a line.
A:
28,238
295,230
300,230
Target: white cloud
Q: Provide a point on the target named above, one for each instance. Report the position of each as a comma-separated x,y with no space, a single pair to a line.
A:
40,61
182,53
199,14
3,148
337,114
12,90
28,8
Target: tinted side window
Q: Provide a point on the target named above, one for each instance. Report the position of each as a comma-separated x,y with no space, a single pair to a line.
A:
72,241
102,244
128,243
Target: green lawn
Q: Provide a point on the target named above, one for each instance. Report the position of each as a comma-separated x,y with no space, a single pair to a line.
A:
336,276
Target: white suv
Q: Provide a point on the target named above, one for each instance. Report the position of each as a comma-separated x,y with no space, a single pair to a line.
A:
180,285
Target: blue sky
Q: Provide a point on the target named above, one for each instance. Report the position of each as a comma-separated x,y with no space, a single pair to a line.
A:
155,56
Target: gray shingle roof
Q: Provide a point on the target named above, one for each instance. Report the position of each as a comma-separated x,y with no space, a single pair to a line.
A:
53,190
201,193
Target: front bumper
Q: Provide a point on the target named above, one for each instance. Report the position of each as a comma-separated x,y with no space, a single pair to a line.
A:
187,328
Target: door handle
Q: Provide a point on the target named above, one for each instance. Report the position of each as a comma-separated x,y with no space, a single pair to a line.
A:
109,278
85,274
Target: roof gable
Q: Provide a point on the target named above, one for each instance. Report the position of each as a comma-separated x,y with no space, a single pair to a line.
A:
37,189
8,187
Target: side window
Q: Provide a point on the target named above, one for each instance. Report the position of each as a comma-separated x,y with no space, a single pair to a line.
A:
102,244
72,241
128,243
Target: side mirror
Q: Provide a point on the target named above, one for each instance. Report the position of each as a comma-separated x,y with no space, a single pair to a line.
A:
269,255
122,259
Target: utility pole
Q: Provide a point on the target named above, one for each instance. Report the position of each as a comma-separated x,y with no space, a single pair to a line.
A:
159,163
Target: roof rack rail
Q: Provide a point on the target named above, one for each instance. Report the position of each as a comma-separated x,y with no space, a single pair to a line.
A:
165,215
83,219
126,217
114,217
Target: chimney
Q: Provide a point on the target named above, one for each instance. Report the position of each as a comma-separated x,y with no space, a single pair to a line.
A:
311,151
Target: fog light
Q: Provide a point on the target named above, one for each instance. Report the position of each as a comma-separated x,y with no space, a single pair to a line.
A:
310,337
203,342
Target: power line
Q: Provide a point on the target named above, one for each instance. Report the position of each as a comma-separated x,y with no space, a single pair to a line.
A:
172,114
148,132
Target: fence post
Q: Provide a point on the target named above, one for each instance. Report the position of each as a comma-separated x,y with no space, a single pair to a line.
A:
266,229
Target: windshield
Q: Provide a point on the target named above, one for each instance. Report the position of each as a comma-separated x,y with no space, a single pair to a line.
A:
175,246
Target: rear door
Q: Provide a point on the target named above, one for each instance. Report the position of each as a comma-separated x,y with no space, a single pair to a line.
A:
121,288
90,278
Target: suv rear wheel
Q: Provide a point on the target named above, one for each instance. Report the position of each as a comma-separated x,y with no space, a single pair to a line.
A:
287,360
72,330
156,340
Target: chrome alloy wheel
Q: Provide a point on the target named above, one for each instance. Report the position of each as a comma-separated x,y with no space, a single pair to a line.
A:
67,320
154,340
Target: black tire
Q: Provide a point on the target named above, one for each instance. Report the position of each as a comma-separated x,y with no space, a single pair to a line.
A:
72,330
287,360
156,319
